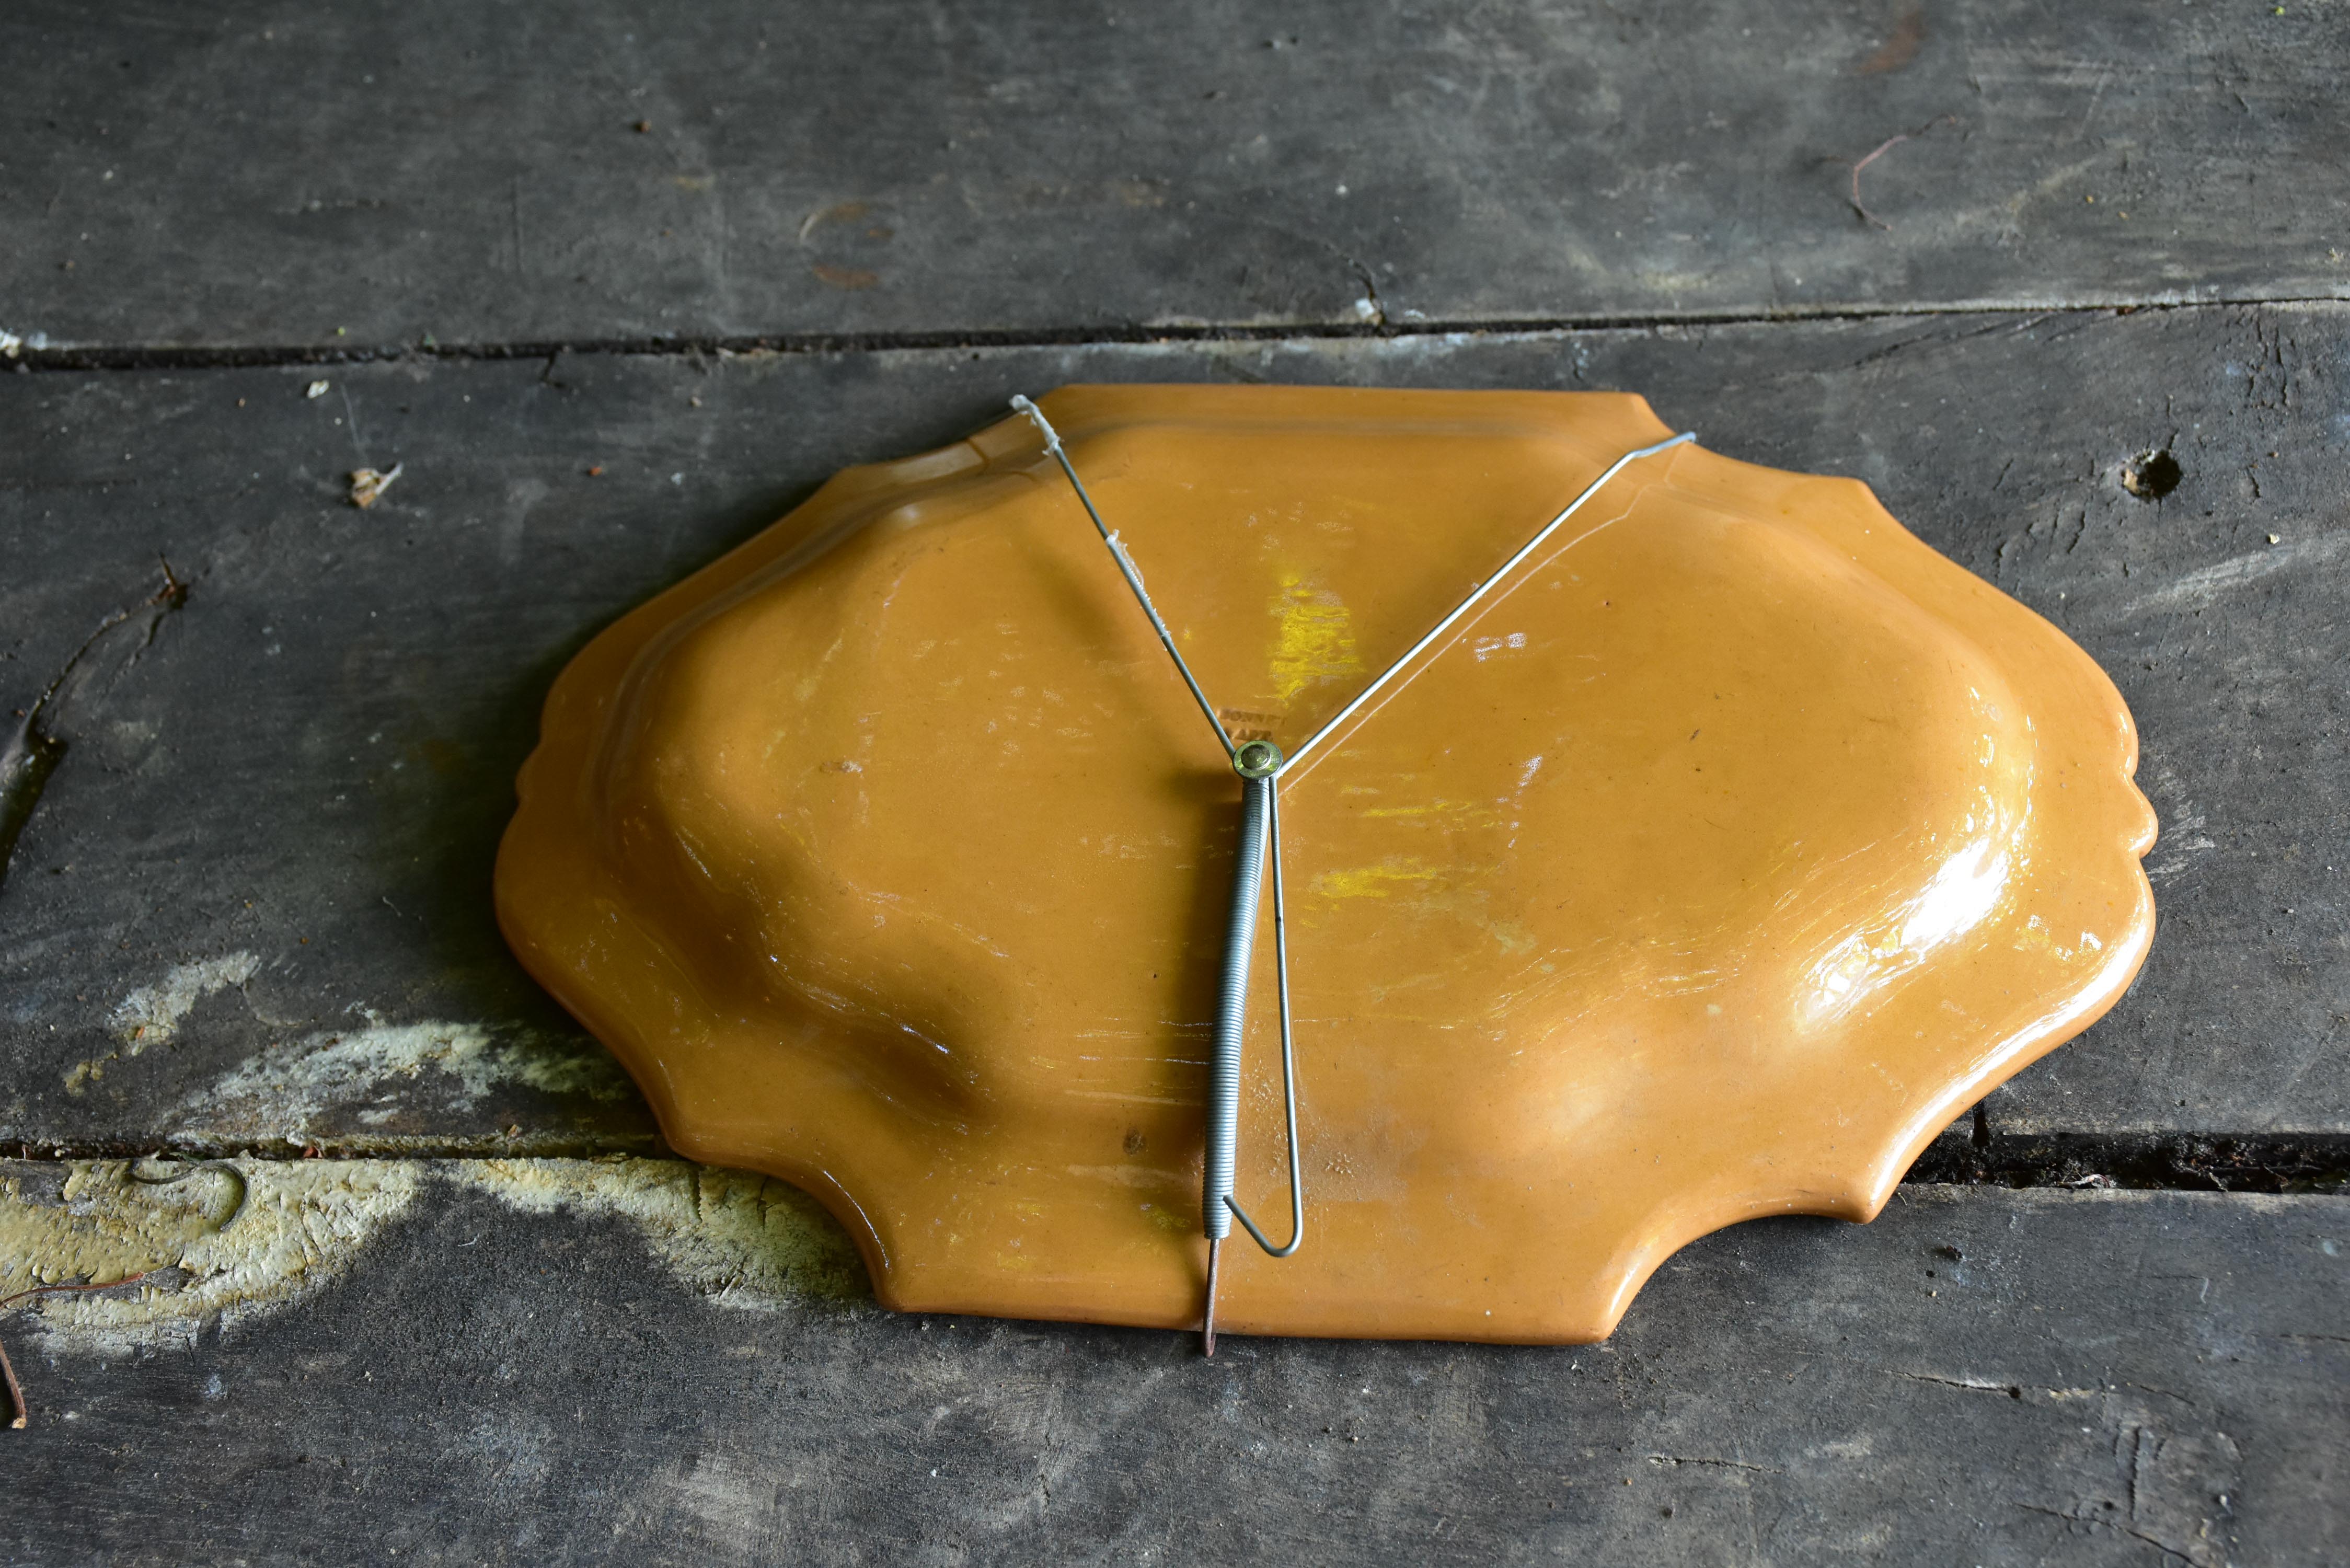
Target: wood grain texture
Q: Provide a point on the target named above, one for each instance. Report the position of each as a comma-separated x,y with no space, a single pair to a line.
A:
259,743
1976,1378
278,803
311,760
351,175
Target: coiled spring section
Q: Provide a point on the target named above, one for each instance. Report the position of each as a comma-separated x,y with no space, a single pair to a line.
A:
1259,841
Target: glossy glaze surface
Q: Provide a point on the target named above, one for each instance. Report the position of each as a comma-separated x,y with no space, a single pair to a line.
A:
1705,873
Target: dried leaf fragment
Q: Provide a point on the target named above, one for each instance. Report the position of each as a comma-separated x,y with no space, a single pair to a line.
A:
368,484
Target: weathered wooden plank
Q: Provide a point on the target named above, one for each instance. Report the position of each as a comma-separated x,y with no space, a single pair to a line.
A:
559,1362
370,175
268,842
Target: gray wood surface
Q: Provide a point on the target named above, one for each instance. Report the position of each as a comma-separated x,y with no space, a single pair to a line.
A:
352,175
278,803
1980,1376
257,745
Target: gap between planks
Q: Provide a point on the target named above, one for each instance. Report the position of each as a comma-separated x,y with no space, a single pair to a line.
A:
126,356
2264,1163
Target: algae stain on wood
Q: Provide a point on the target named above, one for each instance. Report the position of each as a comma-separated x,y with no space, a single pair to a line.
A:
371,1069
150,1015
248,1237
293,1083
741,1239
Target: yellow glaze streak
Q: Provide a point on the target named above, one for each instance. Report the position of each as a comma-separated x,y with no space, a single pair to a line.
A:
1706,872
1316,643
1370,881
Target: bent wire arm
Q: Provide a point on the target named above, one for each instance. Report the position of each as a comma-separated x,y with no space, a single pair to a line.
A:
1125,567
1480,591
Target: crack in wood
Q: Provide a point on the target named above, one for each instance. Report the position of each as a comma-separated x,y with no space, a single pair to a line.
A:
2248,1162
33,753
2112,1524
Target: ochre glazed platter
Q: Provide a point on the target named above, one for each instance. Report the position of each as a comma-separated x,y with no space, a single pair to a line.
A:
1706,871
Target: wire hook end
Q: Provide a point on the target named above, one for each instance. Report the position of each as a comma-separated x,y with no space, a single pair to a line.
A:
1020,405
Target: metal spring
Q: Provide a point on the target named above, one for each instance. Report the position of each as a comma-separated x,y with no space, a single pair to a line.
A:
1232,1012
1260,833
